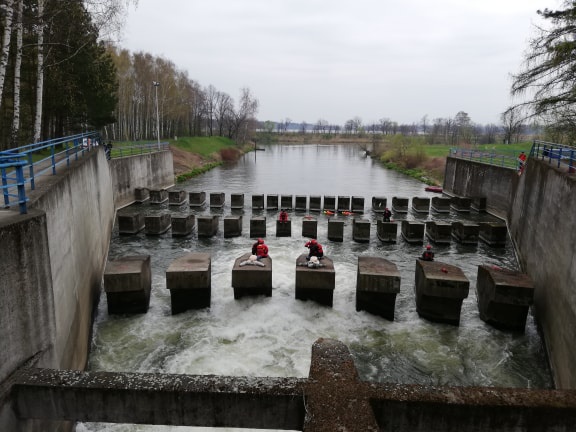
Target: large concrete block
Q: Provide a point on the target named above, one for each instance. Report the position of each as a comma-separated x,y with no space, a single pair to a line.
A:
315,284
182,225
358,204
258,227
189,279
439,232
309,228
196,199
315,203
128,282
461,204
272,202
329,203
465,233
494,234
412,231
177,197
257,202
421,204
478,204
157,224
233,226
207,225
343,203
440,289
387,231
441,204
377,283
141,194
301,203
237,201
504,297
130,223
158,196
361,230
251,278
287,202
284,229
378,204
217,199
335,230
400,205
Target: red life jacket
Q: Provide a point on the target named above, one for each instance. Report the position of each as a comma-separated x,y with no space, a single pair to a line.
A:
262,250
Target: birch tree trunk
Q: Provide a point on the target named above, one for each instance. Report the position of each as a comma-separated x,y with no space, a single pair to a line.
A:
9,8
17,72
40,73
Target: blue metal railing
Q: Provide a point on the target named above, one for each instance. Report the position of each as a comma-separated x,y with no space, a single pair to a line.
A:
563,156
507,160
24,165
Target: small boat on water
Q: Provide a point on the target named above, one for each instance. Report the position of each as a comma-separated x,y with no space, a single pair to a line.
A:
436,189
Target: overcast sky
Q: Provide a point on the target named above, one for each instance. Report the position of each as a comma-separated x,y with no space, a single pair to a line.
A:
336,60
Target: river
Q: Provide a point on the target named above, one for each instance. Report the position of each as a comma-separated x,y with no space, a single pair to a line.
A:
272,336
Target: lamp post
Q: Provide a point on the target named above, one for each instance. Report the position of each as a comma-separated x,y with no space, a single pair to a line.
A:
156,84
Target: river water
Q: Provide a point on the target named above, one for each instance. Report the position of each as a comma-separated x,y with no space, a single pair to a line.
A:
272,336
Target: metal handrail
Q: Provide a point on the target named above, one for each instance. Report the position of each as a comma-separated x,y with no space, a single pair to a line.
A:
563,156
491,158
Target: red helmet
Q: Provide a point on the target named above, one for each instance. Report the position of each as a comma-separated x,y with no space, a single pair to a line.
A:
428,247
260,240
313,241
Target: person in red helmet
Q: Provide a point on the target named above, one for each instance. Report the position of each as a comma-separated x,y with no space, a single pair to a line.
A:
315,249
283,217
260,249
428,255
387,215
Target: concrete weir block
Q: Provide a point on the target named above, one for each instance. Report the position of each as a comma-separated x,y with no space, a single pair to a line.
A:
177,197
361,230
412,232
287,202
237,201
284,229
358,204
271,202
141,195
217,199
128,282
315,284
478,204
130,223
493,234
196,199
257,202
335,230
504,297
465,233
251,279
441,204
343,203
301,203
461,204
157,224
183,225
158,196
315,203
439,232
377,283
207,225
440,289
189,279
258,227
421,204
387,231
329,203
378,204
232,226
310,228
400,204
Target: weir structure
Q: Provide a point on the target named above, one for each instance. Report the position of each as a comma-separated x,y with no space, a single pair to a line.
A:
45,326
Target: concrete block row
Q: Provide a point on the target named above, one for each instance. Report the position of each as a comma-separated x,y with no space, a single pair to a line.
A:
504,296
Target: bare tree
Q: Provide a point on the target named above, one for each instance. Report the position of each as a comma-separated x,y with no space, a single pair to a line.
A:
39,71
8,10
512,121
17,74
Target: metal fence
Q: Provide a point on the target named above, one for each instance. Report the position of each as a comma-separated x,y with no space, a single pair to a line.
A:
562,156
21,167
507,160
